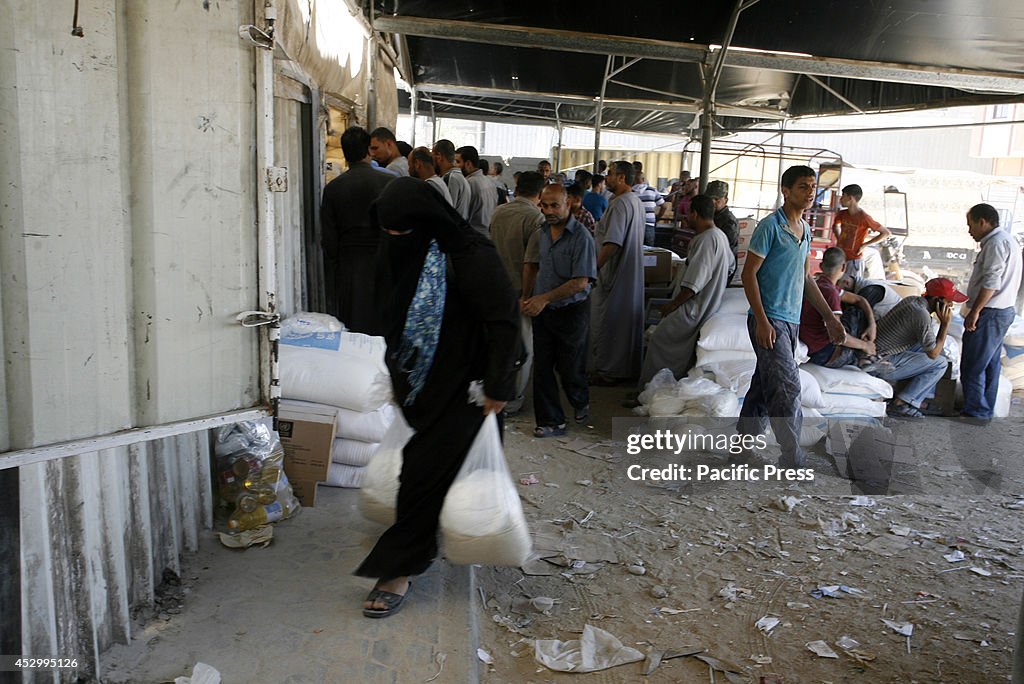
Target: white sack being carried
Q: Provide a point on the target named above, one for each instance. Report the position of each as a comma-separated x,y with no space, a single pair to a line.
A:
482,518
849,381
379,494
351,452
338,369
341,475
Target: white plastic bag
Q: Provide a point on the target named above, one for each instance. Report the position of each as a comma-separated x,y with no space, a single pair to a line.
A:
379,496
482,518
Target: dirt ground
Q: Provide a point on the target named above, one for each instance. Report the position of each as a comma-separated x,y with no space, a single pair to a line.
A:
717,559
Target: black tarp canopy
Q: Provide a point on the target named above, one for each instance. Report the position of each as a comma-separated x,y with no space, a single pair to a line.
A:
525,60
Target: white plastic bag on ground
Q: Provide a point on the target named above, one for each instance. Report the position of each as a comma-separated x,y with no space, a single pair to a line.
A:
595,650
351,452
379,495
482,518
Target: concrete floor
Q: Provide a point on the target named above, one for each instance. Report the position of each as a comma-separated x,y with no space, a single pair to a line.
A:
291,613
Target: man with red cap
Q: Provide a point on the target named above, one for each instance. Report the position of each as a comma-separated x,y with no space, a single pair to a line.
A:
908,349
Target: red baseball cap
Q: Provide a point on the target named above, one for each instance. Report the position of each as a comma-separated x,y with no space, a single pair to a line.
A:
944,288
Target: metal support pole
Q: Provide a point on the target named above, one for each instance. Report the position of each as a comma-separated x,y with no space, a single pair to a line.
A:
413,102
558,152
433,124
371,82
706,117
782,151
600,112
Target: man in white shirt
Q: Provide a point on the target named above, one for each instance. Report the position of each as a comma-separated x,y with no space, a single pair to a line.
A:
989,311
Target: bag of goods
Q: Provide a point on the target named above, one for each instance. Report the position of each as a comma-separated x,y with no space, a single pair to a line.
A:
849,381
482,518
368,426
306,323
379,494
251,477
726,332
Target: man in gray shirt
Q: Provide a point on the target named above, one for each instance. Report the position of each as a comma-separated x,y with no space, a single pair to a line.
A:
384,150
458,186
421,165
561,267
482,199
511,228
991,295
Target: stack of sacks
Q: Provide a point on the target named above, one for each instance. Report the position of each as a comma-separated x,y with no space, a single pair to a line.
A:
322,364
1013,354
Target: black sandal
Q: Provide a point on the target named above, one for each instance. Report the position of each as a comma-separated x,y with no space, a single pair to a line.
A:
393,602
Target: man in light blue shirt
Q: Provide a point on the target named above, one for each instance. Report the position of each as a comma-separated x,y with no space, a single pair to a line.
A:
776,279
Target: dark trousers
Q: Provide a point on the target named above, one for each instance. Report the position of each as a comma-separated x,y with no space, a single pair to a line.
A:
774,393
854,322
430,462
980,361
560,344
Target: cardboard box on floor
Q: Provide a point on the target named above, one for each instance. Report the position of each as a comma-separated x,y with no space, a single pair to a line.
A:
657,265
307,435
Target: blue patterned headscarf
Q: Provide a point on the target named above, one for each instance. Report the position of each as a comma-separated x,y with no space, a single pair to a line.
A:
423,322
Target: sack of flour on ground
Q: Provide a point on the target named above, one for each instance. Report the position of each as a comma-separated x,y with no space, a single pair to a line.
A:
482,519
379,495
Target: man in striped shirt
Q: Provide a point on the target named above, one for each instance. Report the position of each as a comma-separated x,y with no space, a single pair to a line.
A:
652,199
909,350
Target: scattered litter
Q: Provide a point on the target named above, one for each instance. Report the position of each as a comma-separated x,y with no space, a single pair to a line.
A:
770,679
637,570
865,501
955,557
484,656
793,605
440,659
731,592
659,592
900,530
836,591
785,503
847,643
762,659
553,485
820,648
595,650
653,662
542,603
201,674
733,673
584,483
531,480
675,611
888,545
981,571
904,628
242,540
767,624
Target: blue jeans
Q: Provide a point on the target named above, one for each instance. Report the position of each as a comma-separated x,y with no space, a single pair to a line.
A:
774,393
923,372
980,364
854,322
560,344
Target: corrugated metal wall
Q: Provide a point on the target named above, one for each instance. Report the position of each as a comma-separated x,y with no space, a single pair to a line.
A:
127,247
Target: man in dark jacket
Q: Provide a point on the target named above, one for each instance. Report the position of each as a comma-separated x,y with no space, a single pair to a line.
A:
724,218
348,240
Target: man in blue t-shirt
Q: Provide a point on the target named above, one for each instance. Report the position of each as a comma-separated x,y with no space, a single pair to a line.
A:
776,279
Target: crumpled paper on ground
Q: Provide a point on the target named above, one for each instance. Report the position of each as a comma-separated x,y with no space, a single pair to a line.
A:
595,650
201,674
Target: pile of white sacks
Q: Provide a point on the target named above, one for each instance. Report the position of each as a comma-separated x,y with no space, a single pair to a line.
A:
1013,354
322,364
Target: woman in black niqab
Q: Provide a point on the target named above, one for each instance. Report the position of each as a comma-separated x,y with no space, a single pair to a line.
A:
450,317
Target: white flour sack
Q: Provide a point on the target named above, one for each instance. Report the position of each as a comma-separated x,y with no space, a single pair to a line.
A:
482,519
379,495
338,369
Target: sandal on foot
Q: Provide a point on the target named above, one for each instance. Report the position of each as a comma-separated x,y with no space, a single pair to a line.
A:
392,602
582,414
542,431
903,410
